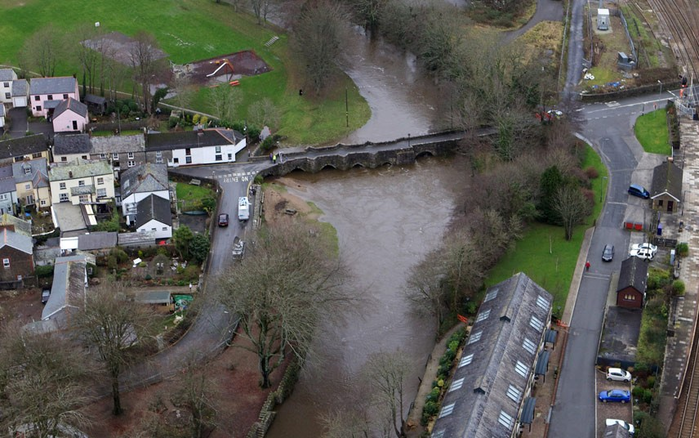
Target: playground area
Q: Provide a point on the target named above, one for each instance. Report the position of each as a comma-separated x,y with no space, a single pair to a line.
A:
117,46
223,68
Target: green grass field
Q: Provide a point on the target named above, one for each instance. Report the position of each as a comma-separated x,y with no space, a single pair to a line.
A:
190,30
651,132
544,254
192,195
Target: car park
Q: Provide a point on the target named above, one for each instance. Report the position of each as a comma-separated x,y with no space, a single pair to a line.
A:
640,191
646,247
615,395
643,254
223,220
608,253
624,424
618,375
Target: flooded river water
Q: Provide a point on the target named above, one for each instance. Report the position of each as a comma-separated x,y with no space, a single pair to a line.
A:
387,219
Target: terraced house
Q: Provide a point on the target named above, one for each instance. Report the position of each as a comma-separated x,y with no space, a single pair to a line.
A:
82,182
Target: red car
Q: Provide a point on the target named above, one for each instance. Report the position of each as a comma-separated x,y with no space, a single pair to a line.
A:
223,220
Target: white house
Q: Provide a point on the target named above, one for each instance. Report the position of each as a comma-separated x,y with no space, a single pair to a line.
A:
153,214
139,182
7,76
2,117
189,148
8,191
46,93
70,116
82,182
20,93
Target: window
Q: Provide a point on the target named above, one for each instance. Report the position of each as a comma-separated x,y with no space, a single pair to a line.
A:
130,155
456,384
27,170
43,202
188,160
159,160
103,156
466,360
475,337
536,323
491,295
660,202
65,96
62,186
164,228
219,157
529,345
542,302
101,193
153,229
218,149
30,199
81,183
483,315
84,199
506,420
36,99
19,159
521,369
84,157
115,156
8,96
132,163
50,97
6,263
188,151
6,84
446,410
64,159
100,181
27,187
230,157
38,107
63,197
176,160
3,197
36,155
514,393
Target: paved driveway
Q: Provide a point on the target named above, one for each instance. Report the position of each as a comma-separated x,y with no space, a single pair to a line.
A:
19,126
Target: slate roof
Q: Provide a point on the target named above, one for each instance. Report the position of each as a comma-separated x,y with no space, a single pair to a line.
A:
97,240
24,171
144,178
153,297
6,74
153,207
16,240
7,182
97,100
71,104
146,238
633,273
51,104
68,289
20,87
64,144
22,227
57,85
667,179
490,382
120,144
79,169
192,139
28,145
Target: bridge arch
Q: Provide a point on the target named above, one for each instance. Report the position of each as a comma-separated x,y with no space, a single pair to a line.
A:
427,153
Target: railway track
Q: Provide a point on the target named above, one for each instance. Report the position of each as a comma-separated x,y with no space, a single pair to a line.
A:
679,18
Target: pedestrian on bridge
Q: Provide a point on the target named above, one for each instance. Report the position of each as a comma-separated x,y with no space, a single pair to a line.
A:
587,265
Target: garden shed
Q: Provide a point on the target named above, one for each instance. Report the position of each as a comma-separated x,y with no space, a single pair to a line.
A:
602,19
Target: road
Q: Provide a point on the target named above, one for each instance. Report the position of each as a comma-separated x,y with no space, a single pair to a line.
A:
610,130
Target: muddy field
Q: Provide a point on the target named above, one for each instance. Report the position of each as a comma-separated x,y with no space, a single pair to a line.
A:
245,63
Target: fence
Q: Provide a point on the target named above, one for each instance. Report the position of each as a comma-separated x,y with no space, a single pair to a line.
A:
628,35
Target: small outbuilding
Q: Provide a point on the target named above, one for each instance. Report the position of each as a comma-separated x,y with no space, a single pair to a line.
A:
602,19
96,104
631,289
666,189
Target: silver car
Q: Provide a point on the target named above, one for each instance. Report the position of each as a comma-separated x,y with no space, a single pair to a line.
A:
618,375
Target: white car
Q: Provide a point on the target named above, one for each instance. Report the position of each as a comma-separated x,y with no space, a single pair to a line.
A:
624,424
645,246
618,375
644,254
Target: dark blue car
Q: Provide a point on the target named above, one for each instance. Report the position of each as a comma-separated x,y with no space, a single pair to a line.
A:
640,191
615,395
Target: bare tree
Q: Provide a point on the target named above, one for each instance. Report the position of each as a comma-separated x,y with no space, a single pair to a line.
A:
318,35
144,56
184,91
196,393
225,101
386,373
265,113
42,383
42,51
289,280
425,289
114,326
260,8
572,206
464,266
85,39
346,423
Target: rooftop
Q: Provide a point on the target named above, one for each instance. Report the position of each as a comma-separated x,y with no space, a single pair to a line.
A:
144,178
97,240
667,178
21,146
64,144
20,87
192,139
153,208
16,240
118,144
79,169
58,85
20,226
24,171
7,182
68,289
70,104
633,273
7,74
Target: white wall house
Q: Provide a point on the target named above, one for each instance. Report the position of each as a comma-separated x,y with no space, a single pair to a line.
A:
190,148
82,182
139,182
7,76
153,214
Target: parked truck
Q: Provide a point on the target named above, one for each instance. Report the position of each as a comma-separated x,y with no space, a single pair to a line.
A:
243,209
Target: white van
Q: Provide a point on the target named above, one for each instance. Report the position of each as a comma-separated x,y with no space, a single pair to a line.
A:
243,208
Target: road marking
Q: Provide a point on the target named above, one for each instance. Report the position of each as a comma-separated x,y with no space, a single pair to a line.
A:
597,276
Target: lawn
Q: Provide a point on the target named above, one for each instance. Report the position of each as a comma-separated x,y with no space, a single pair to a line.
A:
544,254
193,195
190,30
651,132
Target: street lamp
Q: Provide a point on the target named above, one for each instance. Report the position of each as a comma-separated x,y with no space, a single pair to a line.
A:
661,86
408,139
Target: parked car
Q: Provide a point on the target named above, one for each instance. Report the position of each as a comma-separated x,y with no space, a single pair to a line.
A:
645,246
615,395
644,254
624,424
45,294
640,191
223,220
608,253
619,375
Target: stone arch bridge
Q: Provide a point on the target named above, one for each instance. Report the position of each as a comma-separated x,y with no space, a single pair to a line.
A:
369,155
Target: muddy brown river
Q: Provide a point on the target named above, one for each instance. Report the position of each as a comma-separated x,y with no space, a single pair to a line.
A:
387,219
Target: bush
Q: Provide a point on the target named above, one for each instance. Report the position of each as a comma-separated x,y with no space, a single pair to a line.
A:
44,271
431,408
148,277
112,262
434,395
119,254
647,396
678,288
637,392
267,144
683,249
195,118
591,172
650,382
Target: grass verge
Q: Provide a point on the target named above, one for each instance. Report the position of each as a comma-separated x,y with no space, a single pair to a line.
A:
651,132
544,254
